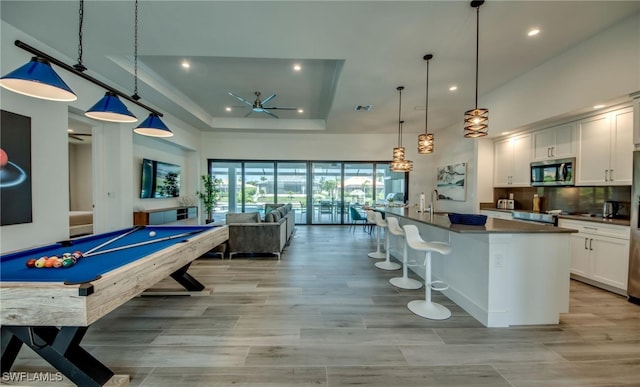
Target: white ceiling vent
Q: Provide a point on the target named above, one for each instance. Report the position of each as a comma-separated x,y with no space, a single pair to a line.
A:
362,108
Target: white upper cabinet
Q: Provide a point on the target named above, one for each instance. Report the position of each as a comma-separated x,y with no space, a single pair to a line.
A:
555,143
605,149
512,161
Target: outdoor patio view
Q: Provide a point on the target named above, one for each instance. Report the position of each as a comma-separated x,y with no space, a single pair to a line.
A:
321,192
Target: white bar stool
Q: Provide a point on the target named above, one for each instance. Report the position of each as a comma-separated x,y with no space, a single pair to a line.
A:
403,282
386,264
425,308
371,218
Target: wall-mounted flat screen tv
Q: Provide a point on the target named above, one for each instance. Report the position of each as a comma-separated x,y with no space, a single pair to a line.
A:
159,180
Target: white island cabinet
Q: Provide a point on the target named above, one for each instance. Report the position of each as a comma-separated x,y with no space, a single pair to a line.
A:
503,273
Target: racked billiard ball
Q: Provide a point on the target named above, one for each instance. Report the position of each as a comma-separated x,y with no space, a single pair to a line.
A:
31,262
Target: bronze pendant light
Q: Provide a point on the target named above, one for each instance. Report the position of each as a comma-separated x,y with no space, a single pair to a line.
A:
399,164
425,140
476,121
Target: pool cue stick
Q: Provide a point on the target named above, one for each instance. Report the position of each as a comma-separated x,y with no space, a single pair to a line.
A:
112,240
141,243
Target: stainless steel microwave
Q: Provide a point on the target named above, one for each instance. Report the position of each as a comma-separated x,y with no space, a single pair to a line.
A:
560,172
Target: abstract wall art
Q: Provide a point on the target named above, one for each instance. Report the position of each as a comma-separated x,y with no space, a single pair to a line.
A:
15,169
451,182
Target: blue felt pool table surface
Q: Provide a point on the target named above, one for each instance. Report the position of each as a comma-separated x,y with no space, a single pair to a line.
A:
13,266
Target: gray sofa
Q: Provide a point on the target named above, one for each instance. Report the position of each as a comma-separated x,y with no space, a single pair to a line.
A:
248,234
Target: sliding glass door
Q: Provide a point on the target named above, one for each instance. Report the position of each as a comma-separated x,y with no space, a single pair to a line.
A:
291,187
322,192
327,193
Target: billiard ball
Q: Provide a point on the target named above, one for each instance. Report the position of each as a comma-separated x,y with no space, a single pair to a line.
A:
68,262
152,233
31,262
40,262
4,159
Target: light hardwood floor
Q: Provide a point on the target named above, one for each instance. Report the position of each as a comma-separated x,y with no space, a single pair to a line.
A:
325,316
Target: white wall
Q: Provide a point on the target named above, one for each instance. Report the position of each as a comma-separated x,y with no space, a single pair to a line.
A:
113,153
603,68
317,147
49,173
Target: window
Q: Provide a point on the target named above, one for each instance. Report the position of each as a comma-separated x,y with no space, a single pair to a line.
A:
320,191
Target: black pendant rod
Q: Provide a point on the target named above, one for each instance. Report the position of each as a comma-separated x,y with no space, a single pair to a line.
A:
427,57
89,78
400,122
476,5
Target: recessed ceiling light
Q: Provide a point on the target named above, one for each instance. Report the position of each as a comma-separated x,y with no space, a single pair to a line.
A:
227,108
453,88
186,64
70,130
297,67
505,133
533,32
598,106
300,110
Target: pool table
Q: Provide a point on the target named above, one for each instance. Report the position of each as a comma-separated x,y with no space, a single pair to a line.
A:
50,309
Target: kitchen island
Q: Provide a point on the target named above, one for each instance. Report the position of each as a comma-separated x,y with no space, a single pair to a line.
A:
503,273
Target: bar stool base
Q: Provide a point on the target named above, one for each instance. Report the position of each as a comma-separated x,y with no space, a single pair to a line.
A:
386,265
405,283
377,255
430,310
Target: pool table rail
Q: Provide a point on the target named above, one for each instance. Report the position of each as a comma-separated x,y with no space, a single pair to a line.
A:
57,304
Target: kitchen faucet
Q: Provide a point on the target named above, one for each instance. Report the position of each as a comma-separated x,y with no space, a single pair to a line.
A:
432,207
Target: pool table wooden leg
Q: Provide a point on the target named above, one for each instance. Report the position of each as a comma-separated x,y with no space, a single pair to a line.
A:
61,348
186,280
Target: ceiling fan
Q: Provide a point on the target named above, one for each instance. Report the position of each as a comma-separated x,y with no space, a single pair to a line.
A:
258,105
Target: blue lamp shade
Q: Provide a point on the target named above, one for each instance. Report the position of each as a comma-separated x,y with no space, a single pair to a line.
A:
111,109
153,127
38,79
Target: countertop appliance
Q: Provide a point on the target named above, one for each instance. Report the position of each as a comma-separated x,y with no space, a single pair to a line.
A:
506,204
560,172
610,209
633,284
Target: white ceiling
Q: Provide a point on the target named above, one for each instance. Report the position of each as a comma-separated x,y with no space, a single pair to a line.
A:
351,53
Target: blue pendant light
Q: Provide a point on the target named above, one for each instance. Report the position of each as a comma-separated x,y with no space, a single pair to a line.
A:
111,109
153,127
38,79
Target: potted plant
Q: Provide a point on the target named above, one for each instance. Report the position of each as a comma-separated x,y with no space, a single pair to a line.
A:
209,195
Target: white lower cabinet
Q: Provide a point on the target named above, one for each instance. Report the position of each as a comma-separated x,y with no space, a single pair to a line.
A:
600,254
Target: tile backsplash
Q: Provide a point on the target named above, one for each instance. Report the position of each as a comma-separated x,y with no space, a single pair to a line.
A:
569,199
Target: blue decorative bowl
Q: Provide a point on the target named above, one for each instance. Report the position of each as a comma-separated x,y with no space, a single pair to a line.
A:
468,219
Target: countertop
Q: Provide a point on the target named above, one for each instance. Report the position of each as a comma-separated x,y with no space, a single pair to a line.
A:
597,219
493,225
584,218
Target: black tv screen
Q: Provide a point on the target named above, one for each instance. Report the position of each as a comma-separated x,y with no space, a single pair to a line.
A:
159,180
